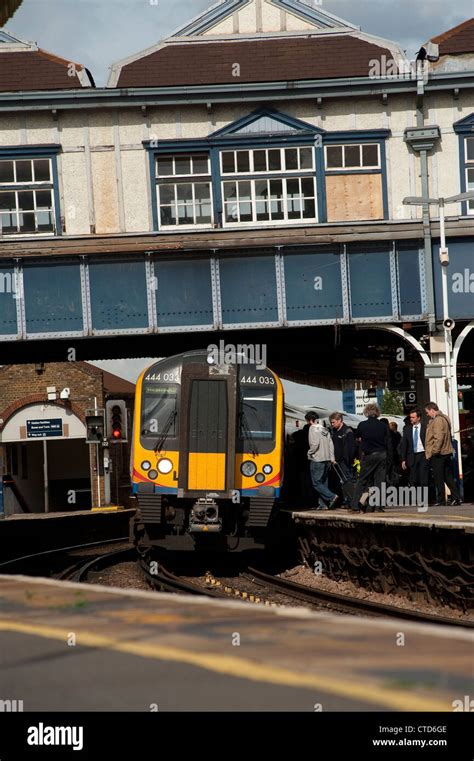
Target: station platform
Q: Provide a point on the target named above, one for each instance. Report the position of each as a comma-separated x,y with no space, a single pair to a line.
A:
71,647
460,518
23,534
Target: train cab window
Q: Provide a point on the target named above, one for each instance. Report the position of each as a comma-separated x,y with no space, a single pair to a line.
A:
159,412
257,414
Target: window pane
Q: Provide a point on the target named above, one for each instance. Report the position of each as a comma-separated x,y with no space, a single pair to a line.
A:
228,162
309,211
167,193
293,199
25,200
165,167
185,214
8,223
44,220
7,201
352,155
27,222
43,199
469,149
334,156
306,158
182,165
370,155
291,159
245,191
230,191
246,212
276,196
243,161
42,173
260,161
307,186
200,165
184,192
23,171
202,191
274,161
231,212
167,215
6,171
261,196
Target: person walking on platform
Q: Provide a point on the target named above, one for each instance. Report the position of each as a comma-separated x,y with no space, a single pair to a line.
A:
344,445
320,456
302,464
376,452
412,450
439,451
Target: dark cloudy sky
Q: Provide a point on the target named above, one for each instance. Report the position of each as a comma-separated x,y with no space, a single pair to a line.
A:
99,32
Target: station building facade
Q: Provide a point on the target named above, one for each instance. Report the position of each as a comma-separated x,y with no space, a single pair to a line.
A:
248,171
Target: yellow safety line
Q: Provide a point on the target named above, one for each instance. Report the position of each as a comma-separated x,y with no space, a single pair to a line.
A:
242,668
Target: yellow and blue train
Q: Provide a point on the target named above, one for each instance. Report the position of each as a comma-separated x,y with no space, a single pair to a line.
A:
207,455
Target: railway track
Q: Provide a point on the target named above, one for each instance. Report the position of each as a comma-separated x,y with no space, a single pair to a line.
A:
64,563
164,580
343,603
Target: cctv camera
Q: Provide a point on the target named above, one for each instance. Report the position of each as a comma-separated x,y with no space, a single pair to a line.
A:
444,257
65,393
448,323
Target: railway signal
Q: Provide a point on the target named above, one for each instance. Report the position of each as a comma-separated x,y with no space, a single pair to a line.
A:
117,429
95,426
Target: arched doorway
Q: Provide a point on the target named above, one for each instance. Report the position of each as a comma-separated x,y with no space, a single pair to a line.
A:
47,462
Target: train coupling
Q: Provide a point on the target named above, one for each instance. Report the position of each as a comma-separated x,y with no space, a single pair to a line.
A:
205,516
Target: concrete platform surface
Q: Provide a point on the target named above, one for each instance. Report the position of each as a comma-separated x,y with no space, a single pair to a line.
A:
461,517
66,646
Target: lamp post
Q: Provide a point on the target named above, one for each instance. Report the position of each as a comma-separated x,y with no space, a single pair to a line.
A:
448,323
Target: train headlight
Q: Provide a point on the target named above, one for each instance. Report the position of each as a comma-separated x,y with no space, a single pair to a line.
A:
267,469
248,468
165,466
260,478
146,465
152,475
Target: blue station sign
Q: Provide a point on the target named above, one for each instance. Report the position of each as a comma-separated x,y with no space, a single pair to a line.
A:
42,429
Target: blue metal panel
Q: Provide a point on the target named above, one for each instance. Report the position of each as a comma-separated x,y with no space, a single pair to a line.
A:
53,302
248,290
349,401
460,279
409,279
184,293
8,294
118,295
370,284
313,286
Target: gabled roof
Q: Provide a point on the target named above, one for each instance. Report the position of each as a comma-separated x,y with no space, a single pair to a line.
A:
267,121
260,59
224,8
459,39
24,66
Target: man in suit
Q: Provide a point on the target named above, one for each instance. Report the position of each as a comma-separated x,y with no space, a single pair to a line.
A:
412,450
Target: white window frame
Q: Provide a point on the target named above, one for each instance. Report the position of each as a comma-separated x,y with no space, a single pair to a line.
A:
253,203
360,167
28,186
252,170
184,179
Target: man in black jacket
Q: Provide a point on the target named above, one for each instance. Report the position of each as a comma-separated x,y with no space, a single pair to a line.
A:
412,450
344,447
376,451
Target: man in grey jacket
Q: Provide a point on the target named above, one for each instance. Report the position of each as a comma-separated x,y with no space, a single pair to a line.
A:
320,456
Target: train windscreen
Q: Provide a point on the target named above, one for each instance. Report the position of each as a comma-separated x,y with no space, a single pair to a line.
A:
159,412
257,414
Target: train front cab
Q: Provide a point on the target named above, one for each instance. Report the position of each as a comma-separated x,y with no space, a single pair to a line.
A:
206,464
